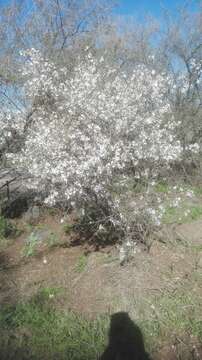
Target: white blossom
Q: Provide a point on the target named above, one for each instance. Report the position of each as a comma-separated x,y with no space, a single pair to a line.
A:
88,126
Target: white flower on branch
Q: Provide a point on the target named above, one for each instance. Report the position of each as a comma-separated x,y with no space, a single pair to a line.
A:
89,126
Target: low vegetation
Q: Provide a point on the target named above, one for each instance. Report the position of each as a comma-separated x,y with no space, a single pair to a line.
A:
184,214
36,330
30,245
7,231
6,228
81,264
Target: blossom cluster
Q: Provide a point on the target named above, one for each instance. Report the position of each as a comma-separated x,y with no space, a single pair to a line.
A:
11,123
11,131
91,124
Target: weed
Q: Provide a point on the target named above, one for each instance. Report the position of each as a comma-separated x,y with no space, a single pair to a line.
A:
6,228
169,215
140,187
196,212
40,226
6,231
197,190
28,227
68,228
52,240
52,211
109,259
30,246
197,248
81,264
44,295
162,187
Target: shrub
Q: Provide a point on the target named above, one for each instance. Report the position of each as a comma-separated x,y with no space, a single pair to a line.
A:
87,128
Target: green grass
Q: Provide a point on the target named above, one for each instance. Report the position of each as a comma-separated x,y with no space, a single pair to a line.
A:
196,212
180,313
162,187
170,315
46,293
182,214
49,334
68,228
197,190
196,248
30,247
81,264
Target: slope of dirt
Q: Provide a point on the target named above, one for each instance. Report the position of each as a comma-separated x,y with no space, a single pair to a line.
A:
191,233
102,284
97,284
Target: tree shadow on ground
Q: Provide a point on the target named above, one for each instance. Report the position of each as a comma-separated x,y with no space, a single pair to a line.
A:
125,340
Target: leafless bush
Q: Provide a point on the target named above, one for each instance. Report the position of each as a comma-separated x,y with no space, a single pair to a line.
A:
98,223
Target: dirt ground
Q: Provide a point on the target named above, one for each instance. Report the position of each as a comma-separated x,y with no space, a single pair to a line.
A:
97,284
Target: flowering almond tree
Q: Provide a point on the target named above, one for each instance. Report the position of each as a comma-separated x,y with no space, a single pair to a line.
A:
11,130
89,126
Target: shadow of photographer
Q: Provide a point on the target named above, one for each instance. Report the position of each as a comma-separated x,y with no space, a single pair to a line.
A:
125,340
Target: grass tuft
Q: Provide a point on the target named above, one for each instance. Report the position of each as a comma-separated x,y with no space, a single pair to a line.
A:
81,264
68,228
162,187
30,246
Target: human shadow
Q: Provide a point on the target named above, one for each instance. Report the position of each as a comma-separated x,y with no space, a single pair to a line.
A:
125,340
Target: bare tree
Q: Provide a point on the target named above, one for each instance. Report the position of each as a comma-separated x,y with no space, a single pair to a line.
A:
181,49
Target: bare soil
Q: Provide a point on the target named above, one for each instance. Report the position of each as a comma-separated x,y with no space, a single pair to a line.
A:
102,285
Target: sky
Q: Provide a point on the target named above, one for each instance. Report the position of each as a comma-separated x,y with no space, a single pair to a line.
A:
151,7
140,7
